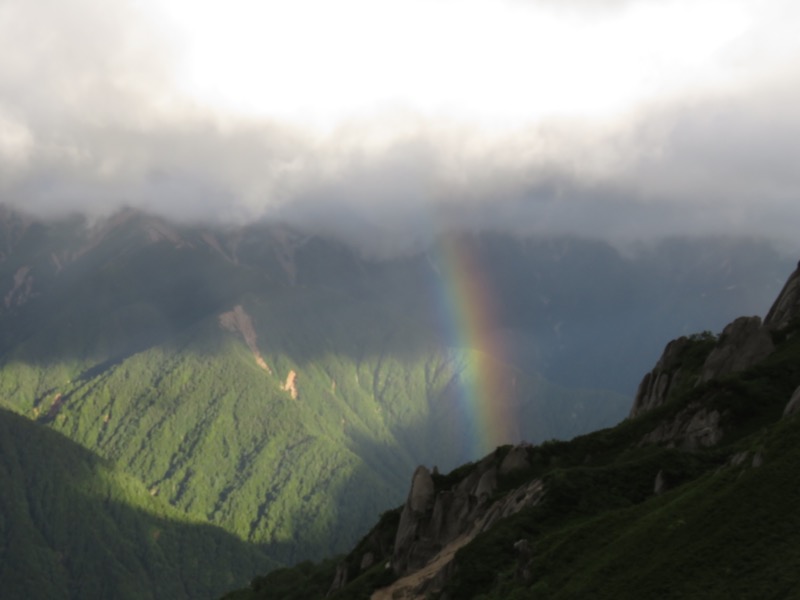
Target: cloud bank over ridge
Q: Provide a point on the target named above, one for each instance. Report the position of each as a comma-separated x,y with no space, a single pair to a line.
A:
93,116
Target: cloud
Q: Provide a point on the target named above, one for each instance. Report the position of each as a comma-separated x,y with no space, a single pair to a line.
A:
91,119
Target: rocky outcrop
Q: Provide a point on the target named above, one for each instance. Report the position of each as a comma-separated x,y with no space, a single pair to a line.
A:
787,307
416,542
516,460
694,427
431,576
290,385
742,344
657,386
440,515
431,521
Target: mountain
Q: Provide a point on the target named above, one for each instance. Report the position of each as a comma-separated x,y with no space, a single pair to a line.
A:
281,386
695,495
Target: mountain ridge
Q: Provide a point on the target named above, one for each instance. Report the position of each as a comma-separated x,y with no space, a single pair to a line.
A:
114,339
261,250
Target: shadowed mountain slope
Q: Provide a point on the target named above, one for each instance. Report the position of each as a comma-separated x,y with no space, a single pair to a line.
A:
696,496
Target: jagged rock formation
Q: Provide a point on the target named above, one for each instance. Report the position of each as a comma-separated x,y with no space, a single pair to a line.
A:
742,344
465,509
438,519
409,546
664,379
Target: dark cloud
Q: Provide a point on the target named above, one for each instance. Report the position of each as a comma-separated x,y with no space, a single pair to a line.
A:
89,121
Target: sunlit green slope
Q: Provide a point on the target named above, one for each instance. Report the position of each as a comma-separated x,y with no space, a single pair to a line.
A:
73,527
214,429
276,385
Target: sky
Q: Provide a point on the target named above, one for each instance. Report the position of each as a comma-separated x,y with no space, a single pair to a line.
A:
387,121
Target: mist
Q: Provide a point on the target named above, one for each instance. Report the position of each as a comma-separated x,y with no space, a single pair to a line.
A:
92,119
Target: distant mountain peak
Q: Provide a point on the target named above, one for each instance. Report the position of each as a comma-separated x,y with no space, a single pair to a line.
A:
137,224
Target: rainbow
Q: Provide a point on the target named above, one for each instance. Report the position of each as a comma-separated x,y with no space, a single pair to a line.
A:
486,385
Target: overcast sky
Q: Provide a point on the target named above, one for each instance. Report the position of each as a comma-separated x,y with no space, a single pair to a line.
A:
388,121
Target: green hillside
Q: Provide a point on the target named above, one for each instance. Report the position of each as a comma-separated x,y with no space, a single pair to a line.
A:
202,425
73,526
168,352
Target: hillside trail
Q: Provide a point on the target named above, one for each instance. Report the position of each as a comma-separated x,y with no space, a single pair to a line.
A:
403,588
